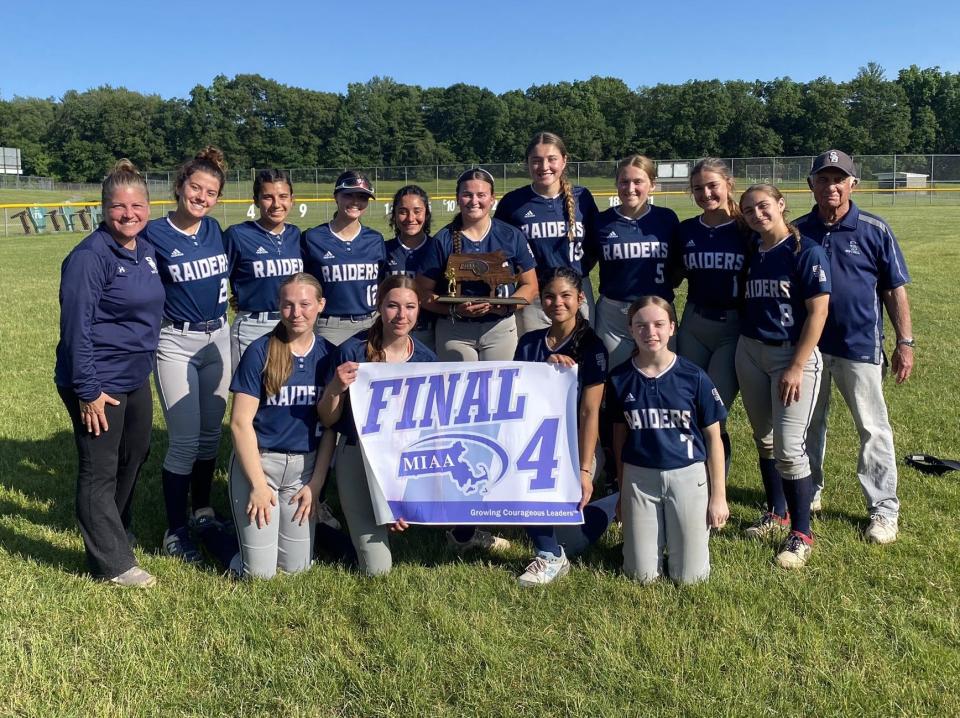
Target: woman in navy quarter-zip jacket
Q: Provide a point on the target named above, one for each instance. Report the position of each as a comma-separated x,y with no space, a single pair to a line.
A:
111,300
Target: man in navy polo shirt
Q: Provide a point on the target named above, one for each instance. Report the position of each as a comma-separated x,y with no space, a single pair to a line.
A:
868,273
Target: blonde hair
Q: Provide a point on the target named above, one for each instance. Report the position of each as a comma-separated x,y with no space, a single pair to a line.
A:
719,167
641,161
566,188
123,174
279,364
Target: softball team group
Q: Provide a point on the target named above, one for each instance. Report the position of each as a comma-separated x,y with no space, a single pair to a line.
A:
141,296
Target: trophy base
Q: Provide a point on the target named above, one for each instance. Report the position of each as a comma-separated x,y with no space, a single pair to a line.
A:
490,300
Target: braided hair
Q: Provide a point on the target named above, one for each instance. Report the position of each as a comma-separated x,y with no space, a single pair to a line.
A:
566,188
456,226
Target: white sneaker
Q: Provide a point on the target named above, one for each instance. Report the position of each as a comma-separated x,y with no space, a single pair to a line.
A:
325,516
882,529
544,568
483,540
134,577
795,551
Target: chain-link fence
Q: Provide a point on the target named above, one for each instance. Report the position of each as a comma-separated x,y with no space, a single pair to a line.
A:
886,180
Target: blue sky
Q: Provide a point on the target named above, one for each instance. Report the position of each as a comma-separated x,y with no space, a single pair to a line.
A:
170,46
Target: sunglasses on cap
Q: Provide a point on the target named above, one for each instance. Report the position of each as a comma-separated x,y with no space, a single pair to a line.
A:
354,184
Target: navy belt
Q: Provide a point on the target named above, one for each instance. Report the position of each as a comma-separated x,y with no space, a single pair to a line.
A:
717,315
264,316
352,317
776,342
207,327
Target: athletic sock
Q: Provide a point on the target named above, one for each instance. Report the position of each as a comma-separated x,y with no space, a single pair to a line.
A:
598,515
222,545
463,533
176,488
773,486
201,482
544,539
798,493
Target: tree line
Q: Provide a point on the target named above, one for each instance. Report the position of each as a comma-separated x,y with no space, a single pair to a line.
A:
259,122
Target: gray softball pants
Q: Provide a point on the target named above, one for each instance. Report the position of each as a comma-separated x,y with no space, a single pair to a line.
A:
371,542
337,330
665,509
246,328
712,346
861,386
780,432
494,340
193,381
283,544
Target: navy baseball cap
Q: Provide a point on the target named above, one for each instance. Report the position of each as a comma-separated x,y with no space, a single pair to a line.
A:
834,159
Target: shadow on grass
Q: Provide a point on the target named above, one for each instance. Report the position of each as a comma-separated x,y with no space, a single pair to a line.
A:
38,480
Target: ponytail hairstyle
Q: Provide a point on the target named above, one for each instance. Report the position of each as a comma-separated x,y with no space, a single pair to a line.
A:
375,352
718,166
642,162
772,191
456,226
209,160
646,301
269,176
417,191
566,189
582,331
123,174
279,364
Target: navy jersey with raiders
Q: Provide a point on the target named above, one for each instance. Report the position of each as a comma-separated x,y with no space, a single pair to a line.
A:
779,282
286,422
714,262
355,349
110,306
634,254
259,261
665,415
194,270
501,236
408,261
543,220
592,366
865,260
350,272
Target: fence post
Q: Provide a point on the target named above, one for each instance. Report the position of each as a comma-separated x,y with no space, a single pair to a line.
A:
894,201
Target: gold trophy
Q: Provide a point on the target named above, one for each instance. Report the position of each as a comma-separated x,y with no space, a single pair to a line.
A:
491,268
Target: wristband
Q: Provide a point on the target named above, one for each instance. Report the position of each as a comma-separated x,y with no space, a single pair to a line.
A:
907,343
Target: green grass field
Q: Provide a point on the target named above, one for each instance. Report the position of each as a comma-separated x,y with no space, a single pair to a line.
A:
863,630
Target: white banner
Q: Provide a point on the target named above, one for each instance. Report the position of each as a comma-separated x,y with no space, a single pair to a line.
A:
469,443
